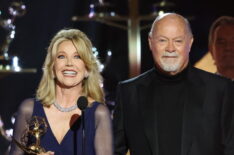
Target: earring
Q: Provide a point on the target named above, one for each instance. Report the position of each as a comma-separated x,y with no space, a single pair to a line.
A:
86,75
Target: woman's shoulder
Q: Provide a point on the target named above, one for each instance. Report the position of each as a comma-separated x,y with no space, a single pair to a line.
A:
101,110
102,114
26,106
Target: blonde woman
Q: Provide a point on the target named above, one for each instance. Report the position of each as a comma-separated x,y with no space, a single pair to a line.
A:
70,71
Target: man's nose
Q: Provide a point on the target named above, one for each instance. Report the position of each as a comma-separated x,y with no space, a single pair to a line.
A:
170,47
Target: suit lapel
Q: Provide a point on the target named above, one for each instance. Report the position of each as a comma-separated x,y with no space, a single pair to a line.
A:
194,99
147,105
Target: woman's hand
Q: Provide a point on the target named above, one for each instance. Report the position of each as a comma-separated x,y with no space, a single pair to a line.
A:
47,153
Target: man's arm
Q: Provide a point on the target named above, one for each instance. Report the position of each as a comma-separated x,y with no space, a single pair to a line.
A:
120,143
227,123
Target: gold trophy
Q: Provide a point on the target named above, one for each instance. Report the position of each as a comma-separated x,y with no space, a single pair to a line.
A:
35,129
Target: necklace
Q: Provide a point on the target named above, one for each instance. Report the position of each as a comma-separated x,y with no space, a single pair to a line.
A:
62,109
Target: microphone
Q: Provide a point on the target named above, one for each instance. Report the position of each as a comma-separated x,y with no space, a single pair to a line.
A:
82,103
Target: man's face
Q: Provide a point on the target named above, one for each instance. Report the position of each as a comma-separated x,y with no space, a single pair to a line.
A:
170,44
223,48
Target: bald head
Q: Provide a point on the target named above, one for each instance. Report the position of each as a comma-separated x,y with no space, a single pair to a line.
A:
170,41
171,17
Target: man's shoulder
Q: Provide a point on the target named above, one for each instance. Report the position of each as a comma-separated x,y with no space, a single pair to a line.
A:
140,78
210,77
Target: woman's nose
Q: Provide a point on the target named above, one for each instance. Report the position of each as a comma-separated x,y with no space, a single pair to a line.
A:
69,62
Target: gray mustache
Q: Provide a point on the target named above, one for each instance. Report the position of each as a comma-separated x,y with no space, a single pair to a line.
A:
170,54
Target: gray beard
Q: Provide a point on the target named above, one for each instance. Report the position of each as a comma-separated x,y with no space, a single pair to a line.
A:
170,67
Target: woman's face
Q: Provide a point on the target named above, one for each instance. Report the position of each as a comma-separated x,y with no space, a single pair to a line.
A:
69,68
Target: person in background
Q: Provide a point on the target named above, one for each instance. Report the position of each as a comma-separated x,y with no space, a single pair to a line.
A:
5,138
174,108
221,45
70,71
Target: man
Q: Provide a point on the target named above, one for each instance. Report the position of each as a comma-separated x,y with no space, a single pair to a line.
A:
221,45
174,109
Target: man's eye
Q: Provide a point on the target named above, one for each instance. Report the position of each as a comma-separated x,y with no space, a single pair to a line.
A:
221,42
162,40
179,41
77,56
60,56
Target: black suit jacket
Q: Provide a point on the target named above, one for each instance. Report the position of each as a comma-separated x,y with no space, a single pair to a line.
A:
208,123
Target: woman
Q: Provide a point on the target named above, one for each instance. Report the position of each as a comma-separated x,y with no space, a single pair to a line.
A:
70,71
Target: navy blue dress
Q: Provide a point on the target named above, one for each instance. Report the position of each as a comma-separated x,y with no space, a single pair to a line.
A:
72,141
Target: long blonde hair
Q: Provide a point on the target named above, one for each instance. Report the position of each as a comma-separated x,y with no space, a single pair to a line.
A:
91,85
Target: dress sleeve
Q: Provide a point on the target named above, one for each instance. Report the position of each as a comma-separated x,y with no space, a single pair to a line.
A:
23,116
103,137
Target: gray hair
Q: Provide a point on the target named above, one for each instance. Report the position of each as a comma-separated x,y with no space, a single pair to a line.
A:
221,21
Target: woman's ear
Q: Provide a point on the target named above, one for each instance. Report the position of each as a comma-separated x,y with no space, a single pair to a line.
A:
86,74
53,73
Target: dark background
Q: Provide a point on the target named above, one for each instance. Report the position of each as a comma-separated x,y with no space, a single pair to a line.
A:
45,17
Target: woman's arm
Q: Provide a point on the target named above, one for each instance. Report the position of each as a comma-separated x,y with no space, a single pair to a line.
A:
103,137
24,114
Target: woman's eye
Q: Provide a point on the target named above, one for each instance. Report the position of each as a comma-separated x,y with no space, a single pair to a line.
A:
61,56
77,56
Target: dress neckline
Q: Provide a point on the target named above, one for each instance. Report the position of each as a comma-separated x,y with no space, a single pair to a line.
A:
50,129
69,130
